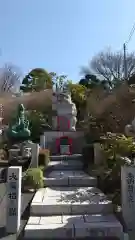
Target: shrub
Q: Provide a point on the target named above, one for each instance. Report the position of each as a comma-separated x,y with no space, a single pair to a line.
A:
36,119
88,154
44,157
117,146
33,178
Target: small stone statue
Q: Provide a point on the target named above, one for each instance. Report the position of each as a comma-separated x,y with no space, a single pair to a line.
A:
20,130
65,109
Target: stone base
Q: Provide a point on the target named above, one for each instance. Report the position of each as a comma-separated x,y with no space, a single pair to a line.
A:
70,200
77,140
69,178
72,227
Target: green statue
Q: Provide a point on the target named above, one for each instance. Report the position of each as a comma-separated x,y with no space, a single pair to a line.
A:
19,131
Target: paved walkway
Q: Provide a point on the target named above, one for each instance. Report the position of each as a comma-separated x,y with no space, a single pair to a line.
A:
71,207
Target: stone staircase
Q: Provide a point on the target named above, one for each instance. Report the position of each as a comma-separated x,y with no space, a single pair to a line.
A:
71,207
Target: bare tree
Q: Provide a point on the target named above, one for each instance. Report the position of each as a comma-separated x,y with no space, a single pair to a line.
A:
9,78
109,66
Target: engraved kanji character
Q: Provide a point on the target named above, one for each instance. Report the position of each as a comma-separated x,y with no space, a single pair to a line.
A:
13,176
130,178
12,195
12,212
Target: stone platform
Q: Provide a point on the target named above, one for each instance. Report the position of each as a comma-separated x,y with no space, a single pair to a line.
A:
70,200
73,227
69,178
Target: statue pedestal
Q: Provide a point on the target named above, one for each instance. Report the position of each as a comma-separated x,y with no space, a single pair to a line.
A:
77,140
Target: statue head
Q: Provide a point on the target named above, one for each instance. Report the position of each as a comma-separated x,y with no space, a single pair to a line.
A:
65,97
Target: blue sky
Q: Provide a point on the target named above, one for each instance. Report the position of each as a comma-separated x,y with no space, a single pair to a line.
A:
62,35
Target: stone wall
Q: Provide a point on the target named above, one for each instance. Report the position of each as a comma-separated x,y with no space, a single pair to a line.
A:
77,137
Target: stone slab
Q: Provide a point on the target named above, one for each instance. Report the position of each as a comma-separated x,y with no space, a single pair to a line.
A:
82,181
69,226
69,178
39,195
91,208
100,218
71,200
52,192
48,182
65,165
51,220
54,163
73,219
34,220
58,178
98,229
54,174
66,174
72,163
67,157
49,231
80,174
50,207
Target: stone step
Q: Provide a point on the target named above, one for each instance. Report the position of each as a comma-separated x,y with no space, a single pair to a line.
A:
66,157
65,165
73,227
69,178
69,200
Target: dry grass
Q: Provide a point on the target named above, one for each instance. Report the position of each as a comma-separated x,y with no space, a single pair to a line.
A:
115,110
34,101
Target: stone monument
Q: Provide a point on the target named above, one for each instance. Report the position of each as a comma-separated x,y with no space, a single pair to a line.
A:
128,196
14,179
64,138
18,133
